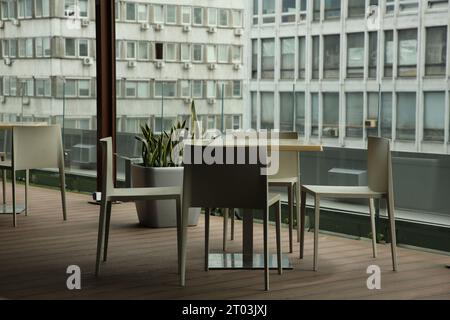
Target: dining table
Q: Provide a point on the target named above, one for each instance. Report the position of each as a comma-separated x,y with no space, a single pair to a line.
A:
7,127
248,259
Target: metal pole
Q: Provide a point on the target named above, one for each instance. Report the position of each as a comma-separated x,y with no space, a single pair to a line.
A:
162,106
64,112
223,86
294,109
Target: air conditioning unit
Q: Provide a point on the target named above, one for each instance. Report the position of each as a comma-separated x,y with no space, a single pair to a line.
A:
7,61
26,101
84,22
212,29
145,26
371,123
237,66
238,32
159,64
211,100
16,22
187,65
2,99
187,100
2,24
87,61
159,27
212,66
84,155
186,28
132,64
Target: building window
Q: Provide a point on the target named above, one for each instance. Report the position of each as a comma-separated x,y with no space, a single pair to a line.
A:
356,8
211,54
185,89
314,114
131,50
390,6
373,55
330,125
185,52
267,111
268,11
24,8
70,89
198,16
236,122
197,89
84,88
315,57
143,90
158,13
237,90
143,50
316,10
434,116
169,89
25,48
70,49
254,58
83,48
42,47
332,9
236,54
287,65
197,53
159,51
388,53
27,87
142,15
288,11
223,53
255,11
331,56
406,116
171,14
407,53
372,112
171,52
386,115
223,17
254,110
300,112
408,5
212,17
268,58
211,91
83,8
301,58
130,11
117,8
286,111
8,9
354,114
186,15
237,18
436,51
437,4
43,87
42,8
355,55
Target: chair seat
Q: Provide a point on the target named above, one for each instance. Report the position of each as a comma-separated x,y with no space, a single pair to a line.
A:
282,181
273,198
132,194
342,191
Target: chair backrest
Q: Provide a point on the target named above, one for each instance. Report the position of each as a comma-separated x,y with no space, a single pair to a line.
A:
37,147
107,166
379,164
224,185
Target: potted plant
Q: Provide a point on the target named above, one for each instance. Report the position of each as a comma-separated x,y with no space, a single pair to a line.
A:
161,167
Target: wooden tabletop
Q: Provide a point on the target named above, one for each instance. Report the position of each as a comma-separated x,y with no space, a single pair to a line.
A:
10,125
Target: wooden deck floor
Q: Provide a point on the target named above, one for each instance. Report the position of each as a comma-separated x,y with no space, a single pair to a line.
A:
143,264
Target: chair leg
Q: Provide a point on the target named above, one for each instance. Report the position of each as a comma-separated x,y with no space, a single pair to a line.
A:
27,181
266,249
107,224
232,223
391,215
62,181
297,208
179,226
316,231
4,185
372,223
207,218
184,223
13,182
225,227
278,234
302,223
291,216
100,237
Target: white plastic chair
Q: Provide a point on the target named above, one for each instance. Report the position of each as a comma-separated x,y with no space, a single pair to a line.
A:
35,147
380,185
224,186
110,194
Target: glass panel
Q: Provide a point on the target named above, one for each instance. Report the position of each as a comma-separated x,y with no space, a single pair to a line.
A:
300,113
314,114
355,115
386,115
268,58
332,9
254,110
434,116
315,57
355,55
331,56
436,51
407,53
286,111
267,110
330,115
388,53
406,116
287,58
356,8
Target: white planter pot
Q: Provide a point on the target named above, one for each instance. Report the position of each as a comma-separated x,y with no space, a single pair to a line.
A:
159,213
